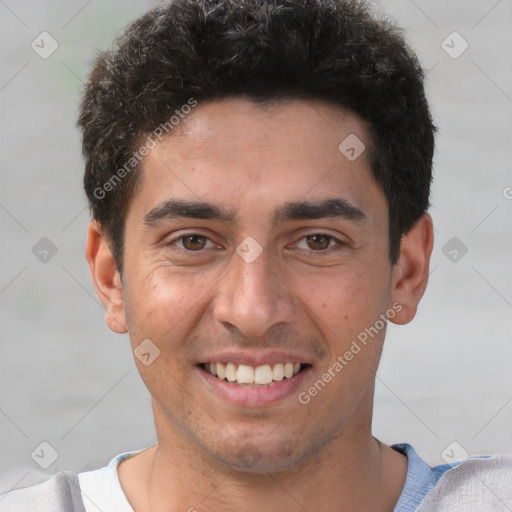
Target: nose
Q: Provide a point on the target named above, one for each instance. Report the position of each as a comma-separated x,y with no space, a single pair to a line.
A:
253,296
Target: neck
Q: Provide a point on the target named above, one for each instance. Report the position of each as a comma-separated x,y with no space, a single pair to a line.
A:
354,472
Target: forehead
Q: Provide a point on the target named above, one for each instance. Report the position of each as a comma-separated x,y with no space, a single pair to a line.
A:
290,129
236,153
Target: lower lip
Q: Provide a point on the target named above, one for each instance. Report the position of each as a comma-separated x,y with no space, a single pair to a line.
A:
257,396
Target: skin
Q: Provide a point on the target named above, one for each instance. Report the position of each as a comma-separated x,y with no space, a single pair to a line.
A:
213,455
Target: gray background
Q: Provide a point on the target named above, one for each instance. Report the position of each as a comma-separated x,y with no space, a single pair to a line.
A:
65,379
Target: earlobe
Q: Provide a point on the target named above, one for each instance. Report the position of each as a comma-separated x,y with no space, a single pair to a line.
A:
410,274
105,277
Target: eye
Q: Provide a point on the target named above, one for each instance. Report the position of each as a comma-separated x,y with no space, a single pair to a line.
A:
192,242
319,242
316,242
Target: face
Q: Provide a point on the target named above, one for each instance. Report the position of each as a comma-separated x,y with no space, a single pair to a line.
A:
253,243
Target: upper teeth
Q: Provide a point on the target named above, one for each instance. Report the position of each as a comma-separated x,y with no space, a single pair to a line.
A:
245,374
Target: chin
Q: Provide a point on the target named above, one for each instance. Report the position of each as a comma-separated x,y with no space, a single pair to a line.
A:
262,457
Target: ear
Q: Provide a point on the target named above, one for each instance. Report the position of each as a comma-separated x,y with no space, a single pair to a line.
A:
410,273
106,278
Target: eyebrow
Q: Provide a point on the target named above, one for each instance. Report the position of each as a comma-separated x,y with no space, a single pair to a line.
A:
299,210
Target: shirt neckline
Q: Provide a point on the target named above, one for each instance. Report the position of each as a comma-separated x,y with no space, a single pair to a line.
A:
420,477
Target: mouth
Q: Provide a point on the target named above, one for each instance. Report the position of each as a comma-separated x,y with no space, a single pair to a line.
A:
266,375
254,386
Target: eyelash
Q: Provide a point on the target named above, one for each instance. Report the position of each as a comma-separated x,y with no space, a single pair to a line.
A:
339,244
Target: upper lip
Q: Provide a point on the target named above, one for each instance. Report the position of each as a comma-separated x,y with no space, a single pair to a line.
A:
255,358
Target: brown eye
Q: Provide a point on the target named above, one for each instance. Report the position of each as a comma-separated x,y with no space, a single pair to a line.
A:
320,245
189,243
318,242
193,242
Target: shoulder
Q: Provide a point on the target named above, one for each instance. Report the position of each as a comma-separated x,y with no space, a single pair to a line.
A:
88,491
60,493
101,488
482,483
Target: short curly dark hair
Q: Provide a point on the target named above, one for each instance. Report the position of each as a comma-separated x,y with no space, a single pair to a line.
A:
332,50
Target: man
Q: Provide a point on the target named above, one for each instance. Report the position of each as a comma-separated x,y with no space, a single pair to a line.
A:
259,175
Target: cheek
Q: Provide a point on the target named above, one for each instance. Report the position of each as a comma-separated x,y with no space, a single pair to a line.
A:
160,306
160,311
168,290
343,306
347,311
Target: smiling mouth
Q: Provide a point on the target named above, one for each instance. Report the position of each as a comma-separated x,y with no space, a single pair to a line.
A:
253,376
